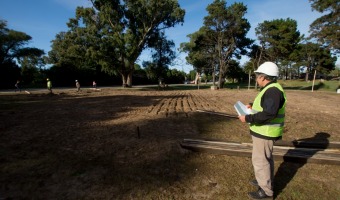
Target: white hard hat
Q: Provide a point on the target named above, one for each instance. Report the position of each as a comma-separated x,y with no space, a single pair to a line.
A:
268,68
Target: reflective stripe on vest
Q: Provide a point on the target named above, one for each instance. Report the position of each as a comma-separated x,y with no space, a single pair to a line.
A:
274,128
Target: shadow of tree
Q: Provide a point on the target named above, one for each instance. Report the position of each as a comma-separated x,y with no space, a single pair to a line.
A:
290,166
69,146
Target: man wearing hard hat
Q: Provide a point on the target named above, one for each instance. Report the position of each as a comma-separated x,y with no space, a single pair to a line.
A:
266,126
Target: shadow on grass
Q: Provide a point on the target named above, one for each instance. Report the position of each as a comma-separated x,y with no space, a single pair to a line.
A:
68,146
290,166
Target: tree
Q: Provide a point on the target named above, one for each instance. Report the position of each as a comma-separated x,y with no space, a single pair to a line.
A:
201,53
175,76
222,37
257,54
13,45
13,50
227,29
162,56
192,75
119,30
327,27
31,67
315,57
235,72
72,48
278,39
335,72
74,55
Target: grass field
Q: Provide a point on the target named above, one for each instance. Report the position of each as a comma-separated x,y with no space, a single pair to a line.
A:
124,144
298,85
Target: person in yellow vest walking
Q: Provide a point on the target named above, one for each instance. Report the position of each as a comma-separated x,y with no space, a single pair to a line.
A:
266,127
49,85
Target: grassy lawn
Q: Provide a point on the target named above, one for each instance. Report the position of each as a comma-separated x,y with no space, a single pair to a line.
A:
297,85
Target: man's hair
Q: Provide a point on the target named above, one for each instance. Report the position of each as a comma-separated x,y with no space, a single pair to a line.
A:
269,78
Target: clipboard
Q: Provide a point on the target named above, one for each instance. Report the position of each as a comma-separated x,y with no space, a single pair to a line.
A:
241,109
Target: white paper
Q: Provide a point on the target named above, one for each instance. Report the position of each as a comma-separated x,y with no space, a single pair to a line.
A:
241,109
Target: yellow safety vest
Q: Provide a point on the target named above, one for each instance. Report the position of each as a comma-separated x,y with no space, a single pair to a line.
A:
273,128
49,84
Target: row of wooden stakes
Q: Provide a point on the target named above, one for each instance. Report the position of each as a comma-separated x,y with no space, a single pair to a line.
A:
322,152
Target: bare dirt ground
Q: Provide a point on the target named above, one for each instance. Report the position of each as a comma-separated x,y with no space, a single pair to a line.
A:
124,144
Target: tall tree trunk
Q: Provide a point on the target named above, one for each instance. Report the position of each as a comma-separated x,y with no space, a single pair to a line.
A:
307,74
249,76
214,75
127,74
127,79
197,78
220,80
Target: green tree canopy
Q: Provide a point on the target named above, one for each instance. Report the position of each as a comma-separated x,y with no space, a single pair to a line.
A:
317,57
116,32
278,38
200,52
327,27
14,51
227,29
13,45
162,56
222,37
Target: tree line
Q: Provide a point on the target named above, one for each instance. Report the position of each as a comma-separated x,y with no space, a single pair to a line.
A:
217,46
104,41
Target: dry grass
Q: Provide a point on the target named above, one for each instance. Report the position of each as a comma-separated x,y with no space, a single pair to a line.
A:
86,145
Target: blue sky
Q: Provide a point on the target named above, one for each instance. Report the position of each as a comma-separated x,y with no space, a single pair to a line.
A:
43,19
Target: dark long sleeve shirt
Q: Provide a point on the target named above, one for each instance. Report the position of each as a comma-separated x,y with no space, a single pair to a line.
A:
271,102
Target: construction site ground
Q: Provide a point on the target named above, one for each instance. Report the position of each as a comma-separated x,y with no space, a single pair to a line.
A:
125,144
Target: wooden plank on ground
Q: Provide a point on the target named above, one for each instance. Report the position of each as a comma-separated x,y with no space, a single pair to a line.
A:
218,113
291,154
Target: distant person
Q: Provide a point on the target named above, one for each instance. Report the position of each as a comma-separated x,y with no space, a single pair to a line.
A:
266,127
94,84
49,85
77,85
17,86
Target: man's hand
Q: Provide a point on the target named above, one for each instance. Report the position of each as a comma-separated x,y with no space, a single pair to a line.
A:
242,118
